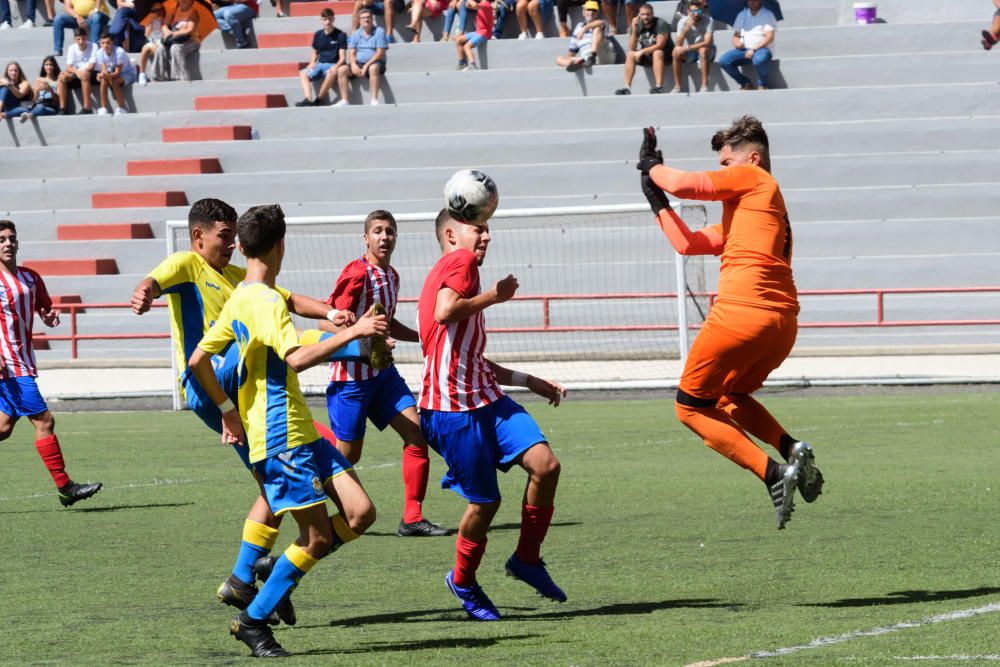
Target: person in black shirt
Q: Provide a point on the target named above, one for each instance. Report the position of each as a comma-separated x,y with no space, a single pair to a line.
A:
329,54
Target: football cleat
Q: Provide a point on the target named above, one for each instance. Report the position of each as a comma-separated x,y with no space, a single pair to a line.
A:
285,611
783,494
73,492
422,528
810,478
258,636
475,602
236,593
536,576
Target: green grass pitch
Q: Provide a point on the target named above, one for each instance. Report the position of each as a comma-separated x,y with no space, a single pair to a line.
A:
668,552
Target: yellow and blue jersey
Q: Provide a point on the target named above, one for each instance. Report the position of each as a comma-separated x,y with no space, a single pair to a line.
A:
272,407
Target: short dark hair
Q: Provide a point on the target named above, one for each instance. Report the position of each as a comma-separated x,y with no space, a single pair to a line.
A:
365,10
744,130
645,5
7,224
104,35
379,214
260,229
327,13
81,31
443,218
206,212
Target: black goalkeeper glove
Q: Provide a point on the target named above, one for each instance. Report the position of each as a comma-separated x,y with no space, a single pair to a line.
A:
655,196
649,157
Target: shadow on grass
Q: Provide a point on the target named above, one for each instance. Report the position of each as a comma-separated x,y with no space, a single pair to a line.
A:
908,597
499,526
462,642
110,508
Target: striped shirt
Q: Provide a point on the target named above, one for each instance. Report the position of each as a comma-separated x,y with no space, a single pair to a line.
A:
456,376
22,293
359,287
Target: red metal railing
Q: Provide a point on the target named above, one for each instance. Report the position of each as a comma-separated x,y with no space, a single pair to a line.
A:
880,321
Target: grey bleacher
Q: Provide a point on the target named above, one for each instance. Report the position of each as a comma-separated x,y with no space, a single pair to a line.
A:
884,137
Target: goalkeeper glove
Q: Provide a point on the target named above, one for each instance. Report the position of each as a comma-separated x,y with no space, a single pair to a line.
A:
649,157
655,196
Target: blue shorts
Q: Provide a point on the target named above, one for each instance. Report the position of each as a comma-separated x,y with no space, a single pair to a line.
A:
227,371
294,479
475,39
350,404
19,397
378,7
319,70
547,6
477,443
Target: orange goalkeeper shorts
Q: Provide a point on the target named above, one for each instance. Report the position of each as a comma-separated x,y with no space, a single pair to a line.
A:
737,349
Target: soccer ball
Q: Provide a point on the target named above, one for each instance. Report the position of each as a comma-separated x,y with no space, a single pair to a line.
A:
471,196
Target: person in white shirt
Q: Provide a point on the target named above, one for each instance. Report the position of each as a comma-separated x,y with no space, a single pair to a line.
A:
79,71
115,71
753,42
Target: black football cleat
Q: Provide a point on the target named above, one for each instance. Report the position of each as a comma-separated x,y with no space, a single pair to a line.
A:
258,636
285,611
422,528
236,593
73,492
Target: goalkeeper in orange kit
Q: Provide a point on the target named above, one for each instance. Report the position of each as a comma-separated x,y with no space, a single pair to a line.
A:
751,327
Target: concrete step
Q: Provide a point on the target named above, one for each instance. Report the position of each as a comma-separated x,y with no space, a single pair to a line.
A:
105,232
135,197
206,133
71,267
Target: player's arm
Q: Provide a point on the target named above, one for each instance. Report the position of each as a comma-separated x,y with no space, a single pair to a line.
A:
553,392
314,309
400,331
451,307
143,295
200,363
302,357
43,304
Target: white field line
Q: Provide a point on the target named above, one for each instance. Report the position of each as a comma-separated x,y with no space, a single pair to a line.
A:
128,485
823,642
976,658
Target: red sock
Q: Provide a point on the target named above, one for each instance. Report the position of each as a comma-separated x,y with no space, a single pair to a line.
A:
48,449
534,525
416,467
468,554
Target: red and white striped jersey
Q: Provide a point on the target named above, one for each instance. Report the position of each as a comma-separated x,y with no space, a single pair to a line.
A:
22,293
359,287
456,375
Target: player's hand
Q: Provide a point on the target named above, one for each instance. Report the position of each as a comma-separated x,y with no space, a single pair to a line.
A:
344,318
655,196
50,317
232,428
552,391
371,324
506,288
649,157
142,298
390,344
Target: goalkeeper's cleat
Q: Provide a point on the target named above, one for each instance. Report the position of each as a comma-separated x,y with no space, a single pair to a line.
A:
236,593
73,492
810,478
285,611
536,576
381,356
783,494
258,636
475,602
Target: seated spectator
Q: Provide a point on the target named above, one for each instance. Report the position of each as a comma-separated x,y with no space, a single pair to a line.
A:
587,40
422,8
90,14
611,11
115,71
648,46
540,12
365,57
991,36
5,18
753,39
45,101
329,52
235,17
467,43
154,40
695,35
387,8
501,10
126,24
180,39
563,7
15,91
79,72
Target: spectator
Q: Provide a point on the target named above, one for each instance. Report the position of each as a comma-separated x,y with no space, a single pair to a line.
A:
540,12
467,43
15,91
388,8
501,10
329,52
587,39
126,24
365,57
422,8
563,7
45,102
695,35
5,18
115,71
79,71
154,40
990,37
457,7
180,39
648,46
92,14
753,39
235,17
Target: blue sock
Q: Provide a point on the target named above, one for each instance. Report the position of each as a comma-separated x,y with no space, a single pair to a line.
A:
284,577
258,540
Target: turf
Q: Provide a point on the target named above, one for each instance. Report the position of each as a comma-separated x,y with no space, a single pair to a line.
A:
667,551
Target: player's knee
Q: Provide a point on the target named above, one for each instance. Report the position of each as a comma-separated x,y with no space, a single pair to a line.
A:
45,424
362,518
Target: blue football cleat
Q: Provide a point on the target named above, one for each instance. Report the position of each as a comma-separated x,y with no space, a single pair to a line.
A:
536,576
475,602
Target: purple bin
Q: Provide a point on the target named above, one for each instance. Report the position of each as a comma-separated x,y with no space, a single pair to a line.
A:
865,12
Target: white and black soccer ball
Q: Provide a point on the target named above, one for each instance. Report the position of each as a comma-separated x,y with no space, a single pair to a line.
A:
471,196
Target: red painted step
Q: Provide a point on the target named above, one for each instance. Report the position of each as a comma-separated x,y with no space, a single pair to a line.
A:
282,40
264,71
138,199
231,102
194,165
103,231
62,300
312,9
73,267
207,133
